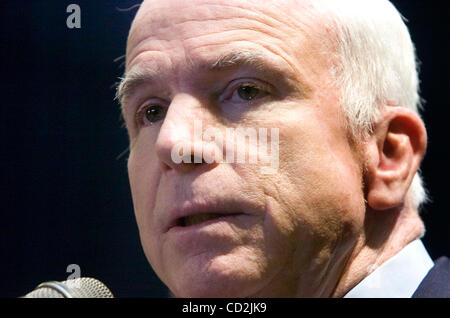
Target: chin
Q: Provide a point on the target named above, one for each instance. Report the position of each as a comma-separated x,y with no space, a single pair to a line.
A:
213,283
208,289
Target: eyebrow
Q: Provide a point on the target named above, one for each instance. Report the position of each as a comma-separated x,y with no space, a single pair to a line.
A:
146,72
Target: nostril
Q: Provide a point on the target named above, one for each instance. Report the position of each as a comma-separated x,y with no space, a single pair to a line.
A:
164,166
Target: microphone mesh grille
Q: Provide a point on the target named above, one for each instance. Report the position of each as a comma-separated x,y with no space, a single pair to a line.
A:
84,287
44,293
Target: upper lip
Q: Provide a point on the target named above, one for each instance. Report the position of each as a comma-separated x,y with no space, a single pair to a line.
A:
190,208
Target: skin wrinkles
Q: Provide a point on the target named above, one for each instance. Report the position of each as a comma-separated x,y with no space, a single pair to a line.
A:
265,28
266,31
299,228
286,90
262,18
304,86
255,63
278,55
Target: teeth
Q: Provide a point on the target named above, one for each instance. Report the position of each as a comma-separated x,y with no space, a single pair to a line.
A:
199,218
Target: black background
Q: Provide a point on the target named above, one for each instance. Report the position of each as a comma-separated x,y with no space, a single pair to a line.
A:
64,191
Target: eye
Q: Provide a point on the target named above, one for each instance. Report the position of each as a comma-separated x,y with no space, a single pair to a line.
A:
247,92
150,114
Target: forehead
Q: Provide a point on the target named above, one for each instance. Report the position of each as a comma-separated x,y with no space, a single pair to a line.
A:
185,27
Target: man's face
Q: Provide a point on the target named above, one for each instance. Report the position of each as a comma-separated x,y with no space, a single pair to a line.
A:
288,233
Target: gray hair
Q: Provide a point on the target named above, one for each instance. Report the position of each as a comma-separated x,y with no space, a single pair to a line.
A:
376,65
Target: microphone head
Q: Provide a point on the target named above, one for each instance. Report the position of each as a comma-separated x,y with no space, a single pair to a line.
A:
83,287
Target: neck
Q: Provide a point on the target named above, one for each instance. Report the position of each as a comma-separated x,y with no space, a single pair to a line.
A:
385,234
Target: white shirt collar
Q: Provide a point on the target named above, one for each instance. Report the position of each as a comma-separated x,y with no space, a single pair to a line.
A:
398,277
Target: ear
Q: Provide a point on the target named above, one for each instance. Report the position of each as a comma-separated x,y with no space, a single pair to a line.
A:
394,152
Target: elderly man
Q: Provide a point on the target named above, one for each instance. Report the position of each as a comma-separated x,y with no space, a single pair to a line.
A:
336,84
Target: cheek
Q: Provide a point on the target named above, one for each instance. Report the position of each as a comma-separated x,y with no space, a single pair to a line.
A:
136,184
325,173
143,170
317,195
144,177
316,154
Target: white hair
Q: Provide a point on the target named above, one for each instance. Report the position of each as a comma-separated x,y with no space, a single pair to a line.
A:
376,65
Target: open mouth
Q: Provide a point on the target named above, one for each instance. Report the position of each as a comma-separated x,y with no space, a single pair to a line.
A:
201,218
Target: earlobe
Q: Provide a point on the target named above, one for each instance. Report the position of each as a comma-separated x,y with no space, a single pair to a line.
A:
395,151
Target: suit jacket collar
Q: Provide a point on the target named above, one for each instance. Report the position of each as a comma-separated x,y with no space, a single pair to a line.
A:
437,282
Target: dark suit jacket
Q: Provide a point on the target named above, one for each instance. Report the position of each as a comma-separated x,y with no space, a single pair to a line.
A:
437,282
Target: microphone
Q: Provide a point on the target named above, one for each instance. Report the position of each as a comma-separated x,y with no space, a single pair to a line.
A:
83,287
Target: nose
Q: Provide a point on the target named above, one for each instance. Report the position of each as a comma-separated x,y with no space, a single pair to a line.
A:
179,145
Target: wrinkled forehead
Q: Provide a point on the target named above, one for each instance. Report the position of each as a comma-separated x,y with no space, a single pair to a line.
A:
169,21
